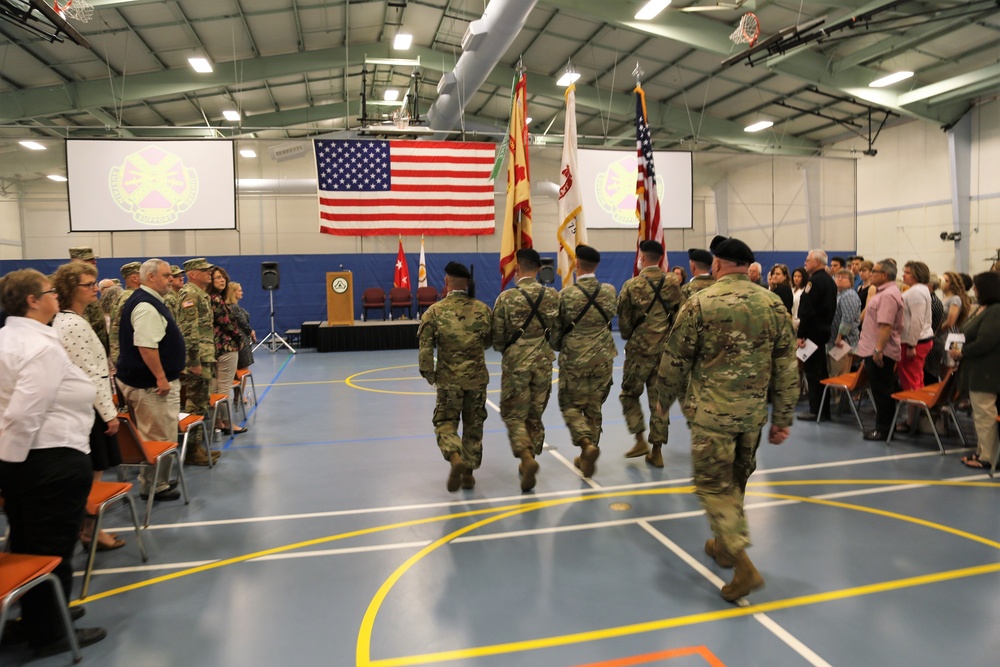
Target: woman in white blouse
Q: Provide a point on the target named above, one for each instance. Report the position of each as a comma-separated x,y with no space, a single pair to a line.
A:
76,287
917,336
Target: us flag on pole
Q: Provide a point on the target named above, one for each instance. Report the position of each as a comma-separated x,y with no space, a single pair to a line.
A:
647,205
380,188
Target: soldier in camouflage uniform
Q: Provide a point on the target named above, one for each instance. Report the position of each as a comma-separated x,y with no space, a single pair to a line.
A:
92,313
176,283
522,320
459,327
646,308
197,325
131,282
587,352
700,263
731,345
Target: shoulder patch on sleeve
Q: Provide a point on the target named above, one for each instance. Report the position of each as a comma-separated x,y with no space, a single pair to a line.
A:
187,304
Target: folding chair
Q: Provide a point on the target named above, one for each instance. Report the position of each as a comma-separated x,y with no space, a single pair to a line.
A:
214,400
138,453
243,376
849,383
19,573
938,395
101,495
185,423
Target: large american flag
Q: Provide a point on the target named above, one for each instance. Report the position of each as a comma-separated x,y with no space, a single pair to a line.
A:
647,204
380,188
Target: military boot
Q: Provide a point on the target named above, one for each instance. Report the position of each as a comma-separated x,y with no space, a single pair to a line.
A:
527,469
641,447
721,558
655,457
199,457
457,470
746,578
468,481
587,459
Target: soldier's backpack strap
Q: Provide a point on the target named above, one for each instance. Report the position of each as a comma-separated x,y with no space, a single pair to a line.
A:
591,301
534,314
657,297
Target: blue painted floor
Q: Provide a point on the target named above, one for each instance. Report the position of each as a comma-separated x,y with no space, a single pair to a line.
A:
325,536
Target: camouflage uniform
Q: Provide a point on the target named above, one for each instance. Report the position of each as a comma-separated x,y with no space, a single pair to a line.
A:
696,284
173,303
459,327
115,322
526,382
587,353
197,325
731,345
95,317
644,322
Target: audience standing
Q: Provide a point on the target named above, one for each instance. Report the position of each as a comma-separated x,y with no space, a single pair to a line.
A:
227,340
917,336
846,322
816,307
242,318
879,345
700,263
779,282
799,281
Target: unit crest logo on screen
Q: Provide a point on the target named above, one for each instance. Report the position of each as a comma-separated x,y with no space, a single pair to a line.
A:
615,190
153,186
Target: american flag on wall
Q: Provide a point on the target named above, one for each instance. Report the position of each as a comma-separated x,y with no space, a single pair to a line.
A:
381,188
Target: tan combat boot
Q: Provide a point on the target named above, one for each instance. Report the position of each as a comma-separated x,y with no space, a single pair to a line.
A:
746,578
655,457
528,468
457,470
721,558
198,457
641,447
468,480
586,461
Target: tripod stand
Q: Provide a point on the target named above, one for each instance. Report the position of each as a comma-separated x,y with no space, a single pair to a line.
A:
273,341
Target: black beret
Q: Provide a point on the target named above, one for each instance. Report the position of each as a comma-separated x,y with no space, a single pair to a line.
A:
732,249
588,254
700,256
529,255
653,247
456,270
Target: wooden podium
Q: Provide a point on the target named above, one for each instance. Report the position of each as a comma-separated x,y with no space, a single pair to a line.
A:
339,298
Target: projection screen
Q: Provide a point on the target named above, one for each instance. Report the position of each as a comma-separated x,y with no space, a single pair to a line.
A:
131,186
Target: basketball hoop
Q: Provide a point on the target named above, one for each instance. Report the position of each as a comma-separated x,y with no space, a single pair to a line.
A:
401,119
746,32
78,10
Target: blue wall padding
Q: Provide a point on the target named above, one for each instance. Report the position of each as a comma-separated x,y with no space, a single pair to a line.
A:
302,294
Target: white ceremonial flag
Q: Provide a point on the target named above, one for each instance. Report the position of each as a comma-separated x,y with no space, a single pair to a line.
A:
422,271
572,230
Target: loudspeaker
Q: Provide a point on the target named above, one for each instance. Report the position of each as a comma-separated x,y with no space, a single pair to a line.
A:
269,277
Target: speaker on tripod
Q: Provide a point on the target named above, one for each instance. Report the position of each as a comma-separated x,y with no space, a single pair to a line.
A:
270,279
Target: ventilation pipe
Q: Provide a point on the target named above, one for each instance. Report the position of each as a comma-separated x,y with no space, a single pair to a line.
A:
484,43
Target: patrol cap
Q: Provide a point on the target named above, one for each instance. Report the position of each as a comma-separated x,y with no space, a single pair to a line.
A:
175,270
529,255
457,270
588,254
652,247
130,269
198,263
82,252
732,249
700,255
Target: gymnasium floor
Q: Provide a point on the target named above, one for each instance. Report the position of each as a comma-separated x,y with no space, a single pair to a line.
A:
325,536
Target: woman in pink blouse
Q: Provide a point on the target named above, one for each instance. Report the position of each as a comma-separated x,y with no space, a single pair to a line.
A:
76,287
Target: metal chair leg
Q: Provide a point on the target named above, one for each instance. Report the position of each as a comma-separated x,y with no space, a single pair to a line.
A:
822,401
892,428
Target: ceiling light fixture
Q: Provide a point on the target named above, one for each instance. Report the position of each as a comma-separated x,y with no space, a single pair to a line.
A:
651,9
390,95
229,114
32,145
402,41
758,126
200,65
57,178
248,152
567,78
890,79
527,121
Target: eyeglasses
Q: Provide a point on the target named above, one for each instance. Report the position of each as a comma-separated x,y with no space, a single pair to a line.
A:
877,271
89,285
48,291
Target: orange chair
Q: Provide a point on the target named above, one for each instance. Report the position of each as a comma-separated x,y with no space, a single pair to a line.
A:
849,383
137,452
214,401
372,298
19,573
244,377
426,297
101,495
938,395
184,425
401,297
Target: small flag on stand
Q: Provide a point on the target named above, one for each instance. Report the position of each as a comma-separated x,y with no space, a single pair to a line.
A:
572,228
422,271
647,205
402,275
517,218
